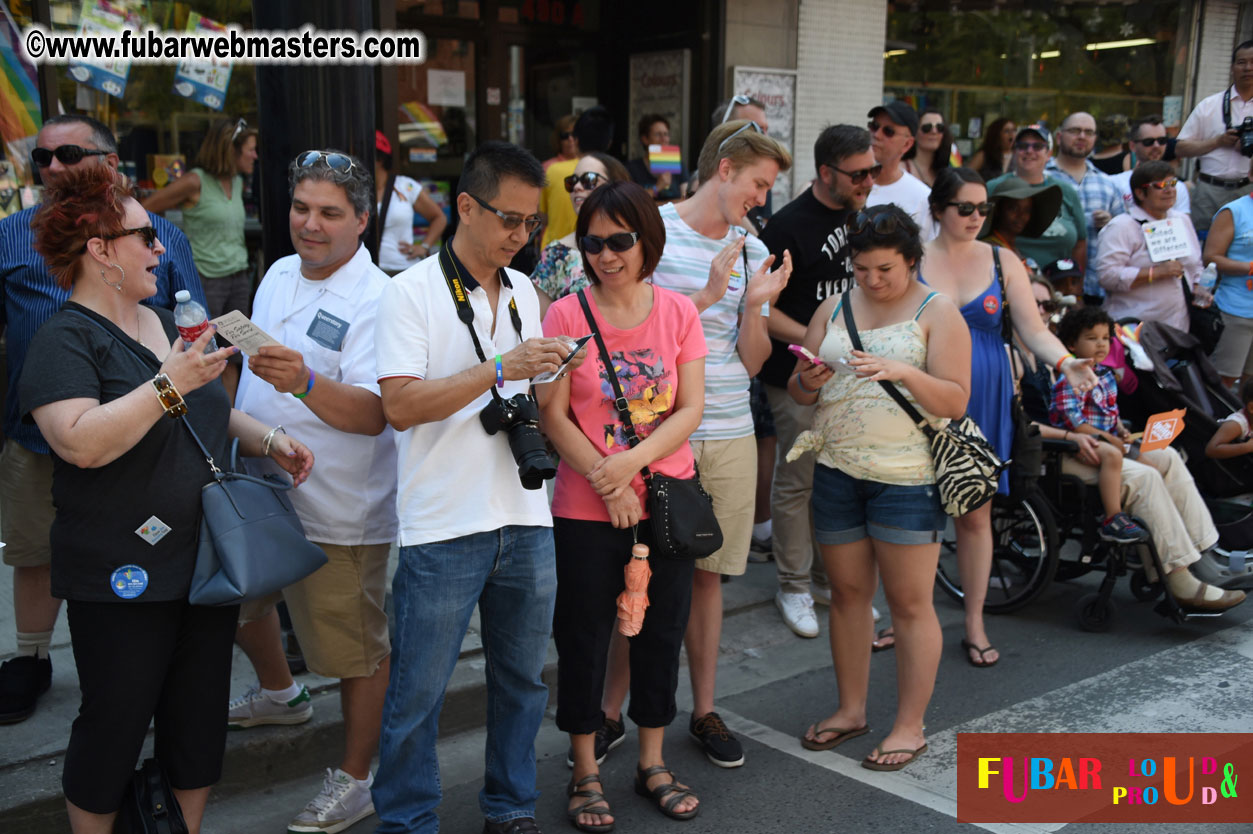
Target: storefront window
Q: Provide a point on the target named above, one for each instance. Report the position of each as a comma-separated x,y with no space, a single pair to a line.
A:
1036,64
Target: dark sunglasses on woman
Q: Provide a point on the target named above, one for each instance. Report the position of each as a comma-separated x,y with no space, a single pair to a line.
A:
148,233
65,154
965,208
590,180
619,242
932,127
565,134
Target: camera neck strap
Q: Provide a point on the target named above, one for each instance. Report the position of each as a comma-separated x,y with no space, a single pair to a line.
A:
1227,108
452,277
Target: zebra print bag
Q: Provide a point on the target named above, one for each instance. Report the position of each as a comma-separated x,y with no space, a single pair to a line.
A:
967,470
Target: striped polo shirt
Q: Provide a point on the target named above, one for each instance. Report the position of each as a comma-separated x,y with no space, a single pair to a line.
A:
684,267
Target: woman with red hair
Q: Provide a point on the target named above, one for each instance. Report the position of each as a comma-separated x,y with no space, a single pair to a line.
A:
101,376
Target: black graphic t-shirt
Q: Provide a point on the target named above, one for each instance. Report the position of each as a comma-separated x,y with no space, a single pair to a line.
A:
822,266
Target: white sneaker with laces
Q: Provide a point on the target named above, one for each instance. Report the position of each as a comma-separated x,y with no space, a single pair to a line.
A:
798,612
342,802
254,707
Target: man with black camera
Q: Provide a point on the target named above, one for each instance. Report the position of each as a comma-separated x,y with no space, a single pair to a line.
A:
1220,132
458,340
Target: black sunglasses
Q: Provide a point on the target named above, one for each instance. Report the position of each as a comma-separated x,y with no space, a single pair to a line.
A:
148,233
65,154
565,134
965,208
338,162
590,180
1049,306
882,222
888,130
1030,146
860,174
937,127
619,242
511,221
1157,140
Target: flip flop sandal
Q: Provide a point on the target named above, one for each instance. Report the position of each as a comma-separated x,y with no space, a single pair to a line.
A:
878,639
595,804
838,737
666,795
982,662
873,765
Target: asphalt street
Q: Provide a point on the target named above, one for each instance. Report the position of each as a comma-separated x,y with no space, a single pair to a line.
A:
1145,675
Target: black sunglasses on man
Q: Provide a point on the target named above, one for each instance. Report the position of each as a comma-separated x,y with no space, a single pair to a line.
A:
65,154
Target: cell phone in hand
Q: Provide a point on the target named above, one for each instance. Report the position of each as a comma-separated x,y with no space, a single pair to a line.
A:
552,375
838,365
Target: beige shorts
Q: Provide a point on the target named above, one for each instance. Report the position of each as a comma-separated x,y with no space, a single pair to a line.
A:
337,611
728,472
26,510
1233,356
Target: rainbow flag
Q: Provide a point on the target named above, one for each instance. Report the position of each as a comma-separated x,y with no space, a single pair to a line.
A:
664,159
424,121
19,96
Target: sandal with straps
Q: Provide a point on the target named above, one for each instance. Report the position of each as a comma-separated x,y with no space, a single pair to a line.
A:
595,804
666,795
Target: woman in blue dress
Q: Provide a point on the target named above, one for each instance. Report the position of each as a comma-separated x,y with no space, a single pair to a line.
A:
963,268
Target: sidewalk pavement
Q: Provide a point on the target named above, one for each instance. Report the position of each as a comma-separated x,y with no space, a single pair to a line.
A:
31,752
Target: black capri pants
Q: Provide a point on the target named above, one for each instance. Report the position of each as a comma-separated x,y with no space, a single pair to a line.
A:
591,558
139,661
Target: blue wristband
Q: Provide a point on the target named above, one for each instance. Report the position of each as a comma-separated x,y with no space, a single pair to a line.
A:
307,390
801,386
500,373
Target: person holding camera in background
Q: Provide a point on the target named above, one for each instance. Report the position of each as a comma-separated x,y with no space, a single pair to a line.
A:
458,339
1220,131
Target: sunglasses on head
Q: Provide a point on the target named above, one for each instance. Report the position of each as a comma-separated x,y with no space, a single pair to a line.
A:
590,180
619,242
888,130
740,100
965,208
1156,140
883,223
338,162
859,176
510,221
1169,182
756,128
1030,146
65,154
240,127
937,127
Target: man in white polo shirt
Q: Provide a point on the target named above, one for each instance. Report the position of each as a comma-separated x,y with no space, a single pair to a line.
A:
458,340
320,383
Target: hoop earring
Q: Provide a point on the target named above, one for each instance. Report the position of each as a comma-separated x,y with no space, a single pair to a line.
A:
118,285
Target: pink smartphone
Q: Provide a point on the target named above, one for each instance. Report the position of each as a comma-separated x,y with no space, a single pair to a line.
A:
840,364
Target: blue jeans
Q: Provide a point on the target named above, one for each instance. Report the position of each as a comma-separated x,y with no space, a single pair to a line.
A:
510,574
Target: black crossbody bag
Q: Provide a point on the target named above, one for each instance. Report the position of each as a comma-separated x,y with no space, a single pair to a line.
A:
680,511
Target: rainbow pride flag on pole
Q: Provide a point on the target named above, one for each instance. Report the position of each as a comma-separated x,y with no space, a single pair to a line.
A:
664,159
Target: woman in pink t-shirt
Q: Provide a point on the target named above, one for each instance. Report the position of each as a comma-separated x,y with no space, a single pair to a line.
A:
657,345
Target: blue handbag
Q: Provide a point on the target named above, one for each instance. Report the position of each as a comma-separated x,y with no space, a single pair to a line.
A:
251,540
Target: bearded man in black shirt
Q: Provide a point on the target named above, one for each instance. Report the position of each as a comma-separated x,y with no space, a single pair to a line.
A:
813,228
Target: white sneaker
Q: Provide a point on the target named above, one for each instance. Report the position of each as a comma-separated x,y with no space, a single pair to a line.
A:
823,596
798,613
255,707
342,802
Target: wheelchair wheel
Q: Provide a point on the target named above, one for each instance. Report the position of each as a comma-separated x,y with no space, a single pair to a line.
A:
1141,588
1024,554
1094,612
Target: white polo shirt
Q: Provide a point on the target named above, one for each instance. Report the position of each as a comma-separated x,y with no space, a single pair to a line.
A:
454,478
1205,122
1183,198
350,497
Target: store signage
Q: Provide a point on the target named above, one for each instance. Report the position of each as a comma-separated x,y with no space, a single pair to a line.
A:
203,81
100,17
775,88
660,83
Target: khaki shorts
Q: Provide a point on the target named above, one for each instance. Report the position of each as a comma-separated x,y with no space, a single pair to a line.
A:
1233,357
337,611
26,510
728,472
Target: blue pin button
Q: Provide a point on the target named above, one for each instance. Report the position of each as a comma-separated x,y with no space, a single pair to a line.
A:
129,581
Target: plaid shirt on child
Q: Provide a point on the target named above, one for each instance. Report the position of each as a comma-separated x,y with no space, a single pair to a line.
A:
1098,408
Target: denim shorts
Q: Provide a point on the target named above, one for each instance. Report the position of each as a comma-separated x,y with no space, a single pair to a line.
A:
848,509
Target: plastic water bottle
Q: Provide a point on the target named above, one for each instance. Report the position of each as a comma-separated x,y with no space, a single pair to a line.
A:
1209,277
191,320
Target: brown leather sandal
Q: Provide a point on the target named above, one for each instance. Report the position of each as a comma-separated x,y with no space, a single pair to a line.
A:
666,795
595,804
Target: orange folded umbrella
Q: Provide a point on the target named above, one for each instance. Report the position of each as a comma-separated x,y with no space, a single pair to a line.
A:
633,601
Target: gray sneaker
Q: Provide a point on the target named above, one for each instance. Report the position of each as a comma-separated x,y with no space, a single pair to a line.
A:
342,802
254,708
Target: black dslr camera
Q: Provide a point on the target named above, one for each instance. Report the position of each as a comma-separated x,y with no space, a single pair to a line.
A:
519,416
1245,130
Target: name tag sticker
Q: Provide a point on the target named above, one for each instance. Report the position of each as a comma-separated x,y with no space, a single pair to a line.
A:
129,581
327,330
152,530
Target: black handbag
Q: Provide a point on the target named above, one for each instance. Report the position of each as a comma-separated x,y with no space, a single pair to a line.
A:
967,470
680,512
251,540
149,806
1027,451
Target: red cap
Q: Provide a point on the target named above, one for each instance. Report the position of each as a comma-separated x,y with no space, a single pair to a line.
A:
381,144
